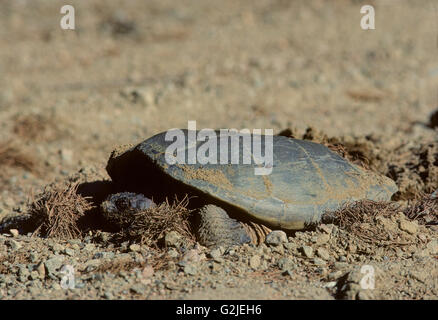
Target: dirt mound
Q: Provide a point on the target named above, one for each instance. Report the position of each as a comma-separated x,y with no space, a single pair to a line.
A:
414,168
14,157
362,151
37,127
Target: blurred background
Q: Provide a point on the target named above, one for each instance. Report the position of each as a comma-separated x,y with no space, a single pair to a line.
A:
131,69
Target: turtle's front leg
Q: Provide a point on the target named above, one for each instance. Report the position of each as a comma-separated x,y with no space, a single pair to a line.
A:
216,228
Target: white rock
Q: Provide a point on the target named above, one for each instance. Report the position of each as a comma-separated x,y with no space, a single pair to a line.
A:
276,238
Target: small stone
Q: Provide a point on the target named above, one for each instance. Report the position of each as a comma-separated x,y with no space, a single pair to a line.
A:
365,295
285,264
254,262
190,270
290,246
141,95
340,265
276,238
318,262
323,253
322,239
334,275
57,248
41,270
138,288
327,228
147,271
89,247
108,295
330,285
193,255
173,239
104,236
14,245
94,263
215,254
34,275
23,273
288,273
56,286
33,257
104,255
134,247
172,253
307,251
386,223
408,226
79,285
69,252
432,247
66,155
14,233
278,249
53,264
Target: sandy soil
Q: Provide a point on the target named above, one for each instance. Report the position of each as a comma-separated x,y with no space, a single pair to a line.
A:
135,68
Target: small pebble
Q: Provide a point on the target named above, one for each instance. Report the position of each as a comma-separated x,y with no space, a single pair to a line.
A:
134,247
190,270
254,262
323,253
276,238
14,245
173,239
307,251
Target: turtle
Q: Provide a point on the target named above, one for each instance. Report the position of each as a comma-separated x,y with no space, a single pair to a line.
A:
235,206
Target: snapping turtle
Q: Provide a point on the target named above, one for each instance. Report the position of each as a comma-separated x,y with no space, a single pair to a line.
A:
235,205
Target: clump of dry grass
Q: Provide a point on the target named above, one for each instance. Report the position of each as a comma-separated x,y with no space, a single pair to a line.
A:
12,155
363,219
424,210
36,127
57,210
359,219
149,226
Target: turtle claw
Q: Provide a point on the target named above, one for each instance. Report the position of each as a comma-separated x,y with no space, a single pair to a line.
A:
218,229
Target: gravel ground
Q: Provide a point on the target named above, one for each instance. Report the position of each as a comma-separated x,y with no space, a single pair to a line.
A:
322,264
133,69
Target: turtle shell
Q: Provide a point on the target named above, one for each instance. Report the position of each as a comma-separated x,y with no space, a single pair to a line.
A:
307,179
